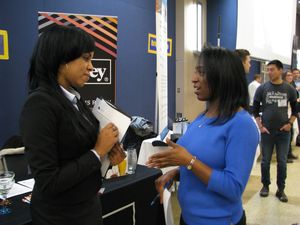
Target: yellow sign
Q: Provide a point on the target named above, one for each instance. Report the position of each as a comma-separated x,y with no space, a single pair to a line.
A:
152,44
3,44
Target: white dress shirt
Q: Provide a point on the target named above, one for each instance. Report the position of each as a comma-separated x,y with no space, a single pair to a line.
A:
252,89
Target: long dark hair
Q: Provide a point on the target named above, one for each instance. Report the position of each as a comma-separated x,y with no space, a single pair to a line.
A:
57,46
226,80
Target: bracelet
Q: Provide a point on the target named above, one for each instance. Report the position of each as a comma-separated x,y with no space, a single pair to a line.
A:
190,165
290,123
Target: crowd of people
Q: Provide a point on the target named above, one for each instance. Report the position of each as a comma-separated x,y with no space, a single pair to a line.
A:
275,106
65,146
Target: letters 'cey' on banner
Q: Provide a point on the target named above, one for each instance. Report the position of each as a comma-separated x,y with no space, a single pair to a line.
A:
104,30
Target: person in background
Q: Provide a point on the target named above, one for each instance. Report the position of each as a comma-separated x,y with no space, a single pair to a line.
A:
296,77
274,125
62,139
244,55
288,77
252,88
216,153
296,73
296,81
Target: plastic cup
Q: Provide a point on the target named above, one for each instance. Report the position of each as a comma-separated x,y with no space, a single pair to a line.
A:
131,160
122,167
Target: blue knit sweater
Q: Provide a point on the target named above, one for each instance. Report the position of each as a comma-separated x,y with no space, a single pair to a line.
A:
229,149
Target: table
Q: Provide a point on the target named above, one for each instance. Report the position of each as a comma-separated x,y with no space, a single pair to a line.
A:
126,200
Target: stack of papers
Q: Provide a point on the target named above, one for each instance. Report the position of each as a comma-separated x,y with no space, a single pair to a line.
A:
105,112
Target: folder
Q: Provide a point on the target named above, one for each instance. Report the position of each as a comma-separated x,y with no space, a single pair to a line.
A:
106,112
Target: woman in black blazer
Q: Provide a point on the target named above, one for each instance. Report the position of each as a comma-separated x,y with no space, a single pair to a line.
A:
61,136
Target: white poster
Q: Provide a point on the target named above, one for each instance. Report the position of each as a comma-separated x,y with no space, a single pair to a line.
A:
162,64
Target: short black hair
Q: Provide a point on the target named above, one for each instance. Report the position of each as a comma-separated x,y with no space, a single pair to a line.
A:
56,46
242,53
226,80
277,63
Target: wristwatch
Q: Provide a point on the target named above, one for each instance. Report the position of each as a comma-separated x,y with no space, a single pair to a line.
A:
190,165
290,123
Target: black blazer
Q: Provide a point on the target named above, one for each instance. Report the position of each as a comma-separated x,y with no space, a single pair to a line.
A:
58,140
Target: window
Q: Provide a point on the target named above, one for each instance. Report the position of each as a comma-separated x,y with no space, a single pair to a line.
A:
199,26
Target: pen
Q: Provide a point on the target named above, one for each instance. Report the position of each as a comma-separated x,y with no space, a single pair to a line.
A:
154,200
167,185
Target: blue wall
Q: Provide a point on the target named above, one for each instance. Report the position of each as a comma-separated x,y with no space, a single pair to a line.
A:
135,67
227,10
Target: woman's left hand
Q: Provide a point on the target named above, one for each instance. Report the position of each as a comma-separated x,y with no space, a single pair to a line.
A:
175,155
116,154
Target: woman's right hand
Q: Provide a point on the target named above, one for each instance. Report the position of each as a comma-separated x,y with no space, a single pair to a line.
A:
161,182
107,138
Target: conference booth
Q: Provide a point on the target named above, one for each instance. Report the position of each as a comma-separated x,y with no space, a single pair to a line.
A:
127,199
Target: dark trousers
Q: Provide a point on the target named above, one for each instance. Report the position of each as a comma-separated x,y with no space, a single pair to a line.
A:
280,140
241,222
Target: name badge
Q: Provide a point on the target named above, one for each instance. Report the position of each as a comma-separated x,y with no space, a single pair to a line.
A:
282,103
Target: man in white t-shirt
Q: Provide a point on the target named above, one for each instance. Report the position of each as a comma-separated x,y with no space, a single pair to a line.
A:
252,88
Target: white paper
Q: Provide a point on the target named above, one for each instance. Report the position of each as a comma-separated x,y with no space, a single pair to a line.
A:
27,183
168,207
17,189
106,113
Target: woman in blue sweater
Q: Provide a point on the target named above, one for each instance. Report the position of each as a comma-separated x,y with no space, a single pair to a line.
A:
216,153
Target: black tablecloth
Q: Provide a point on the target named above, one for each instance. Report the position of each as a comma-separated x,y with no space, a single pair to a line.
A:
125,200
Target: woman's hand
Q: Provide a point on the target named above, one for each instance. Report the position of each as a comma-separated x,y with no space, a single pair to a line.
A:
117,154
107,138
161,182
175,155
